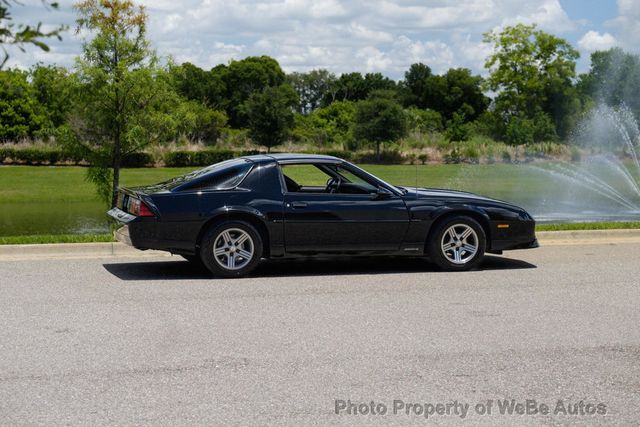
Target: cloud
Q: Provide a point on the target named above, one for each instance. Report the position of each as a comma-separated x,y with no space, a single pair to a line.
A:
341,35
547,14
593,40
627,24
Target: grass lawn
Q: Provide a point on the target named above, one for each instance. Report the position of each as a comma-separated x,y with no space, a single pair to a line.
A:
68,184
55,238
617,225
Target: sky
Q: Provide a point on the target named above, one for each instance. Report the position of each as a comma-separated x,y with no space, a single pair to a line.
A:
385,36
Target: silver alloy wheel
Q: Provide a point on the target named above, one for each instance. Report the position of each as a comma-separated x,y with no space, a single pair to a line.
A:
459,243
233,249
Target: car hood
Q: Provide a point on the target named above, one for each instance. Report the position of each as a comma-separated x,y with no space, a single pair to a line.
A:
423,193
441,192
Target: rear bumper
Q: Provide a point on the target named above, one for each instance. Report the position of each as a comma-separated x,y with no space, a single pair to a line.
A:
149,233
122,235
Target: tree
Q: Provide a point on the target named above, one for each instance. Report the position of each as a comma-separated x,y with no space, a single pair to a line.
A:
311,88
196,84
533,72
54,88
456,91
270,114
335,122
19,35
197,122
380,118
613,79
243,78
414,85
21,115
121,86
457,128
355,87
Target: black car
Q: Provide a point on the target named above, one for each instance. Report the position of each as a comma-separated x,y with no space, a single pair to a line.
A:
230,215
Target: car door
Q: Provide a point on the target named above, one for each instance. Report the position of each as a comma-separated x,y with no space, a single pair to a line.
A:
318,221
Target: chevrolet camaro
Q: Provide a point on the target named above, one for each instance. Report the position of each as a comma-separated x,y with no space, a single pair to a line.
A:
232,214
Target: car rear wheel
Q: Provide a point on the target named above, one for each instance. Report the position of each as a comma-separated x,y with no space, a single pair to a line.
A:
458,244
231,249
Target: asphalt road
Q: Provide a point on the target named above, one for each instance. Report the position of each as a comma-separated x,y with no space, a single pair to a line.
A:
150,341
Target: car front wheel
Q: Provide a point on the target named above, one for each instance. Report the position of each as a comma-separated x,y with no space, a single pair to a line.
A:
458,244
231,249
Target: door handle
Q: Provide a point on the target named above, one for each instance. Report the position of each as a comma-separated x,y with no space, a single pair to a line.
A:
298,205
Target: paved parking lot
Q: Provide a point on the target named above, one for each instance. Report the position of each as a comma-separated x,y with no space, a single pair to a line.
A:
151,341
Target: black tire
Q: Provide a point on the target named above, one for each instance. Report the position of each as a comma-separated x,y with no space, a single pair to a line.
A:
241,265
458,256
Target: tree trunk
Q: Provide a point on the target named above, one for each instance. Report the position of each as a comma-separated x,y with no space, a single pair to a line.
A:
117,160
117,109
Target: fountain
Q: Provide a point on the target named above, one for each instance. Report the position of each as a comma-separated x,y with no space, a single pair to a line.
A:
601,186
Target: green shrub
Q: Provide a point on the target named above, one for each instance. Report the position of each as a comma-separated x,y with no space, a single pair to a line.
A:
137,160
506,156
71,148
471,154
54,156
184,158
390,157
37,156
544,128
209,157
488,124
6,153
342,154
424,158
423,121
453,157
457,129
176,159
249,152
520,131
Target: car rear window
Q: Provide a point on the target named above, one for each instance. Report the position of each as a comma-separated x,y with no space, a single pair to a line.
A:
227,174
221,179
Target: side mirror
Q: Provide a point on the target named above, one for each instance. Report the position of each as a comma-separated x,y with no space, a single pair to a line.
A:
381,193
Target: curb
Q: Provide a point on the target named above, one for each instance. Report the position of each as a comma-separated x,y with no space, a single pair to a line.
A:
583,237
117,249
73,250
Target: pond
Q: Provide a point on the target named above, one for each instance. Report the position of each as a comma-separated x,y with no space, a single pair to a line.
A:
40,200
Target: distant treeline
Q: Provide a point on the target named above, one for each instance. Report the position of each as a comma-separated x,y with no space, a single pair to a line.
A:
537,96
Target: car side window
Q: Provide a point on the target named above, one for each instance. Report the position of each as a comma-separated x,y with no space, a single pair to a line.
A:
304,178
356,179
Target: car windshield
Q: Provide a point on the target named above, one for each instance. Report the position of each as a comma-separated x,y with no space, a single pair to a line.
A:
361,171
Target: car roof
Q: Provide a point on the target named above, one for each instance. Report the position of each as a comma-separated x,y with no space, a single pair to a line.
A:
286,157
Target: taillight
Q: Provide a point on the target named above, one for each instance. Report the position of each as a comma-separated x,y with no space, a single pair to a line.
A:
139,208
